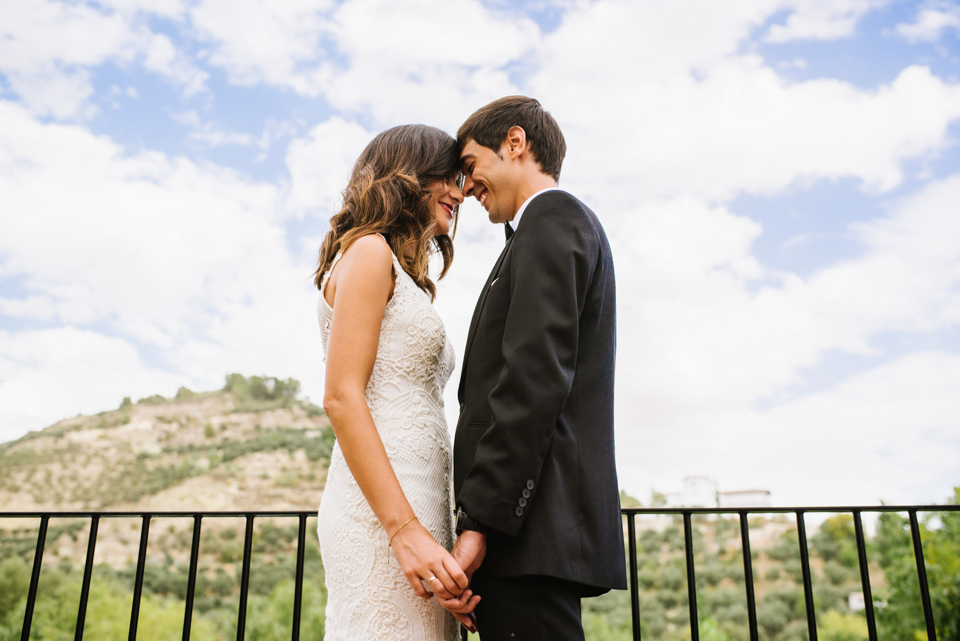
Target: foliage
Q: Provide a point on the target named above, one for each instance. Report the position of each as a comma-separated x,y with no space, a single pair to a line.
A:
627,501
258,393
839,626
902,616
185,393
270,618
835,540
14,579
108,614
269,606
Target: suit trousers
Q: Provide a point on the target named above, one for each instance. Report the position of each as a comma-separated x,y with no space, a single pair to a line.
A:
527,608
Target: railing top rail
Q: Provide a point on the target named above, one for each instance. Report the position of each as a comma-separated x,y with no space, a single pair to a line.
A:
630,510
790,510
150,513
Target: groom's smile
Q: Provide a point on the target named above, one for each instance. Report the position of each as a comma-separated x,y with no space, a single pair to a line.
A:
482,169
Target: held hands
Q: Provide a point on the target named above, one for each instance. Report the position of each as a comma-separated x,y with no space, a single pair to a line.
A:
425,562
468,552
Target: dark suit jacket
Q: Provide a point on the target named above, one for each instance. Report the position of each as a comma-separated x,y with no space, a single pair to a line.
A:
534,452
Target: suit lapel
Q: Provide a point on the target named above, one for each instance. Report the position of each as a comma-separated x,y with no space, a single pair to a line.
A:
476,317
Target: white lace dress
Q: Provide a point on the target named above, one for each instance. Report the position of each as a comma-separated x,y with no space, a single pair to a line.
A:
368,595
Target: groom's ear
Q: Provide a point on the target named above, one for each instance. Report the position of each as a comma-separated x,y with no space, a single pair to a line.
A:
515,143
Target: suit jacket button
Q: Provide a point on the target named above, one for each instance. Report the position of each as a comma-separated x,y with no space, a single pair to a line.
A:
523,502
526,493
518,511
529,484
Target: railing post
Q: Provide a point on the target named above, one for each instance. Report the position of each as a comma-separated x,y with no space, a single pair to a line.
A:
865,576
138,581
192,579
34,578
634,583
691,578
805,570
748,576
922,576
87,573
245,578
298,582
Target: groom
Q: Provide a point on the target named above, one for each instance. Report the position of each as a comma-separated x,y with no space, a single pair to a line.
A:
538,518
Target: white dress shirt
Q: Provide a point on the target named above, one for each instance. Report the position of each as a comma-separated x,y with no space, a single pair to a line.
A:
516,219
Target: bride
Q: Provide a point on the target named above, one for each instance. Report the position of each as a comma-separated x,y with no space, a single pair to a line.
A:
385,519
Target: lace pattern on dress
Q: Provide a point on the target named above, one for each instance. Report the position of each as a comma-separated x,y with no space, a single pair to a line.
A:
368,595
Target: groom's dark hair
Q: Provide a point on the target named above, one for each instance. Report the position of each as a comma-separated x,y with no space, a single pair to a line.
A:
489,126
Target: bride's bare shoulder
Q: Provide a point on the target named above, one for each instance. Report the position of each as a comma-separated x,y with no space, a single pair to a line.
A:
370,253
366,262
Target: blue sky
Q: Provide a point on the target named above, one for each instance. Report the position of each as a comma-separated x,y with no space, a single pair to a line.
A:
779,179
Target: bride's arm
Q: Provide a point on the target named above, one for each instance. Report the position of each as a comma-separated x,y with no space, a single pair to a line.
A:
361,290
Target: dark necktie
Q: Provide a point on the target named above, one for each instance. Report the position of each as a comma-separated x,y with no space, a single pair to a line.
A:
508,229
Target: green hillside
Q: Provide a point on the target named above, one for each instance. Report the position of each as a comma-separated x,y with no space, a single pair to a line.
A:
254,445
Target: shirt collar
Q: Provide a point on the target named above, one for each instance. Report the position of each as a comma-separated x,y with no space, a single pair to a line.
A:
516,219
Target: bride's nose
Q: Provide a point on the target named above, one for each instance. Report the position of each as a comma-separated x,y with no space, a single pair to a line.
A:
456,194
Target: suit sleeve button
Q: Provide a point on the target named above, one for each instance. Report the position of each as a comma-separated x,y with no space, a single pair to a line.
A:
526,493
523,502
518,511
529,484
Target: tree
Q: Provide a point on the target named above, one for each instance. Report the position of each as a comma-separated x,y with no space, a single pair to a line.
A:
835,540
837,626
14,579
902,616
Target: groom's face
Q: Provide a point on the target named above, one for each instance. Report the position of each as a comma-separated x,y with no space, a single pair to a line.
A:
488,179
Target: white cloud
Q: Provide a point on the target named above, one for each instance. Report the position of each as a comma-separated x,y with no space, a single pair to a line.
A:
887,434
931,21
172,9
894,425
670,110
163,58
320,165
48,48
742,128
700,347
480,35
189,262
49,374
432,68
822,19
277,43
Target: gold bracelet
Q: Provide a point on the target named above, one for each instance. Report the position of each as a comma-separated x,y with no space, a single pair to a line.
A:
412,518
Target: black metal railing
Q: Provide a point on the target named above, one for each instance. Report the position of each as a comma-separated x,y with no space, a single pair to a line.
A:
800,513
630,514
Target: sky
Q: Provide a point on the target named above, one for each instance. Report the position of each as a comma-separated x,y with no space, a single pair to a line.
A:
779,180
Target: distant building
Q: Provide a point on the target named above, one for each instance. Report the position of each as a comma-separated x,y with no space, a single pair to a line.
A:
702,491
744,498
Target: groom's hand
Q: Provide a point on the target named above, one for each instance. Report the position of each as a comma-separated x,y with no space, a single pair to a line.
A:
468,552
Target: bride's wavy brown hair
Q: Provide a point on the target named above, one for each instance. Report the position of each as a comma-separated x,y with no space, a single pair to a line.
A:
388,194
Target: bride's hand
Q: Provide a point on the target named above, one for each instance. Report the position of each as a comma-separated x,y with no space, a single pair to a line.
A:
424,561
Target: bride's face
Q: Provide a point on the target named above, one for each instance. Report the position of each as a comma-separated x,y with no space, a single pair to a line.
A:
445,195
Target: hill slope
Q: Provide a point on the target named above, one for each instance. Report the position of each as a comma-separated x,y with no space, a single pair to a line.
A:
224,450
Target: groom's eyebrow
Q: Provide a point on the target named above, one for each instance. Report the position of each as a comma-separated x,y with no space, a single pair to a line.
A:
464,159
